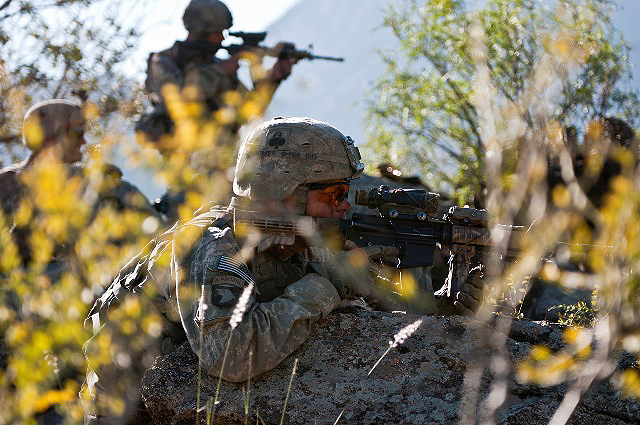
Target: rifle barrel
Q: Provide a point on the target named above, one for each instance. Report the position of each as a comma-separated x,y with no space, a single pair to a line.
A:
327,58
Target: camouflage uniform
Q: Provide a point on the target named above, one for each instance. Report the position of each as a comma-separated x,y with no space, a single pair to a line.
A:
190,63
54,119
184,64
192,67
12,190
203,284
287,299
195,274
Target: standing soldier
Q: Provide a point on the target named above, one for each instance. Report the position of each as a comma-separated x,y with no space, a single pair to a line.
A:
192,67
192,64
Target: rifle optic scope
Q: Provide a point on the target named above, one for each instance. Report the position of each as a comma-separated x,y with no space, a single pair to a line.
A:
250,38
383,197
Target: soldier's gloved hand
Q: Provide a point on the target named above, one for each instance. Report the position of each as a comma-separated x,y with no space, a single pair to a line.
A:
389,257
468,299
230,66
282,69
352,272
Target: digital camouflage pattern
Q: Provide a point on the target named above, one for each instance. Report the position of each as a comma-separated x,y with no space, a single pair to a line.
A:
189,64
284,153
286,301
185,64
196,294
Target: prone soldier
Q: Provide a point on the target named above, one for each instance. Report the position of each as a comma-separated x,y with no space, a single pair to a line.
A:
256,292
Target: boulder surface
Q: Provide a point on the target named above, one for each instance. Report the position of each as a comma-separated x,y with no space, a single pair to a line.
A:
418,382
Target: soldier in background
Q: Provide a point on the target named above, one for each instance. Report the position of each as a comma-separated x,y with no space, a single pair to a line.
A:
54,132
192,63
259,290
596,164
201,77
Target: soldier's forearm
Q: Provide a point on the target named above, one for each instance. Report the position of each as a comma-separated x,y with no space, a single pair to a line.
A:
269,331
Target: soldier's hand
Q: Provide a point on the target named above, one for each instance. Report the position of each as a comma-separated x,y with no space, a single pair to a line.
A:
468,299
230,66
352,272
282,69
388,255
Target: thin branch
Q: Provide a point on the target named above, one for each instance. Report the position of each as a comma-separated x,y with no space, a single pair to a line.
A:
5,4
62,81
467,108
10,139
424,132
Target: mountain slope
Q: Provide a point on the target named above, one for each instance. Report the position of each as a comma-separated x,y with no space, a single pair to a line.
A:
332,91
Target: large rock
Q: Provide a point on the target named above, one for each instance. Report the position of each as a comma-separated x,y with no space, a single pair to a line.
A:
418,382
544,298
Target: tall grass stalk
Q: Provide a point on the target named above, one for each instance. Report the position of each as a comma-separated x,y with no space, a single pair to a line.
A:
286,399
200,342
224,360
236,318
258,418
398,339
209,408
248,393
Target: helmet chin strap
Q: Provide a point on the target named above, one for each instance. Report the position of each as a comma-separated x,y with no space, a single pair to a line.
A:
301,199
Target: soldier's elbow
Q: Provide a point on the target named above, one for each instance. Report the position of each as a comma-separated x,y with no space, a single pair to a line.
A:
231,374
240,370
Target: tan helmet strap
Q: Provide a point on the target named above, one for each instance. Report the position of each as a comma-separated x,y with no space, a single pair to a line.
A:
301,199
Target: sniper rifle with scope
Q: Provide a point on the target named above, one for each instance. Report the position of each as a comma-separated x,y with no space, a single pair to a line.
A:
408,220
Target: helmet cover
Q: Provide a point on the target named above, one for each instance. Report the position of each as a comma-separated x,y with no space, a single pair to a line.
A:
50,119
283,153
206,16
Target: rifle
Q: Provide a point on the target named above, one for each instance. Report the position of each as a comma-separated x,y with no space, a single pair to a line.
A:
282,50
407,220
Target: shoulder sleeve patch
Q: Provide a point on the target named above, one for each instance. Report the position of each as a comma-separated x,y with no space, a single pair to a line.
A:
219,298
224,295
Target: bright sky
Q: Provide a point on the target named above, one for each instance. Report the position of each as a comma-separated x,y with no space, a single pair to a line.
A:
163,25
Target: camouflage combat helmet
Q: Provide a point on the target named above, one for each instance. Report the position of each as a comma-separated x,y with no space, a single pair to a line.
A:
206,16
282,155
48,120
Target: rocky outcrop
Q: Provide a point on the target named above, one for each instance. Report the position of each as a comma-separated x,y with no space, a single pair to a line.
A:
543,300
418,382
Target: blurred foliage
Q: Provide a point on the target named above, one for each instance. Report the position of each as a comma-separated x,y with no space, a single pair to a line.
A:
539,177
58,49
503,106
82,224
424,117
82,238
548,368
580,314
